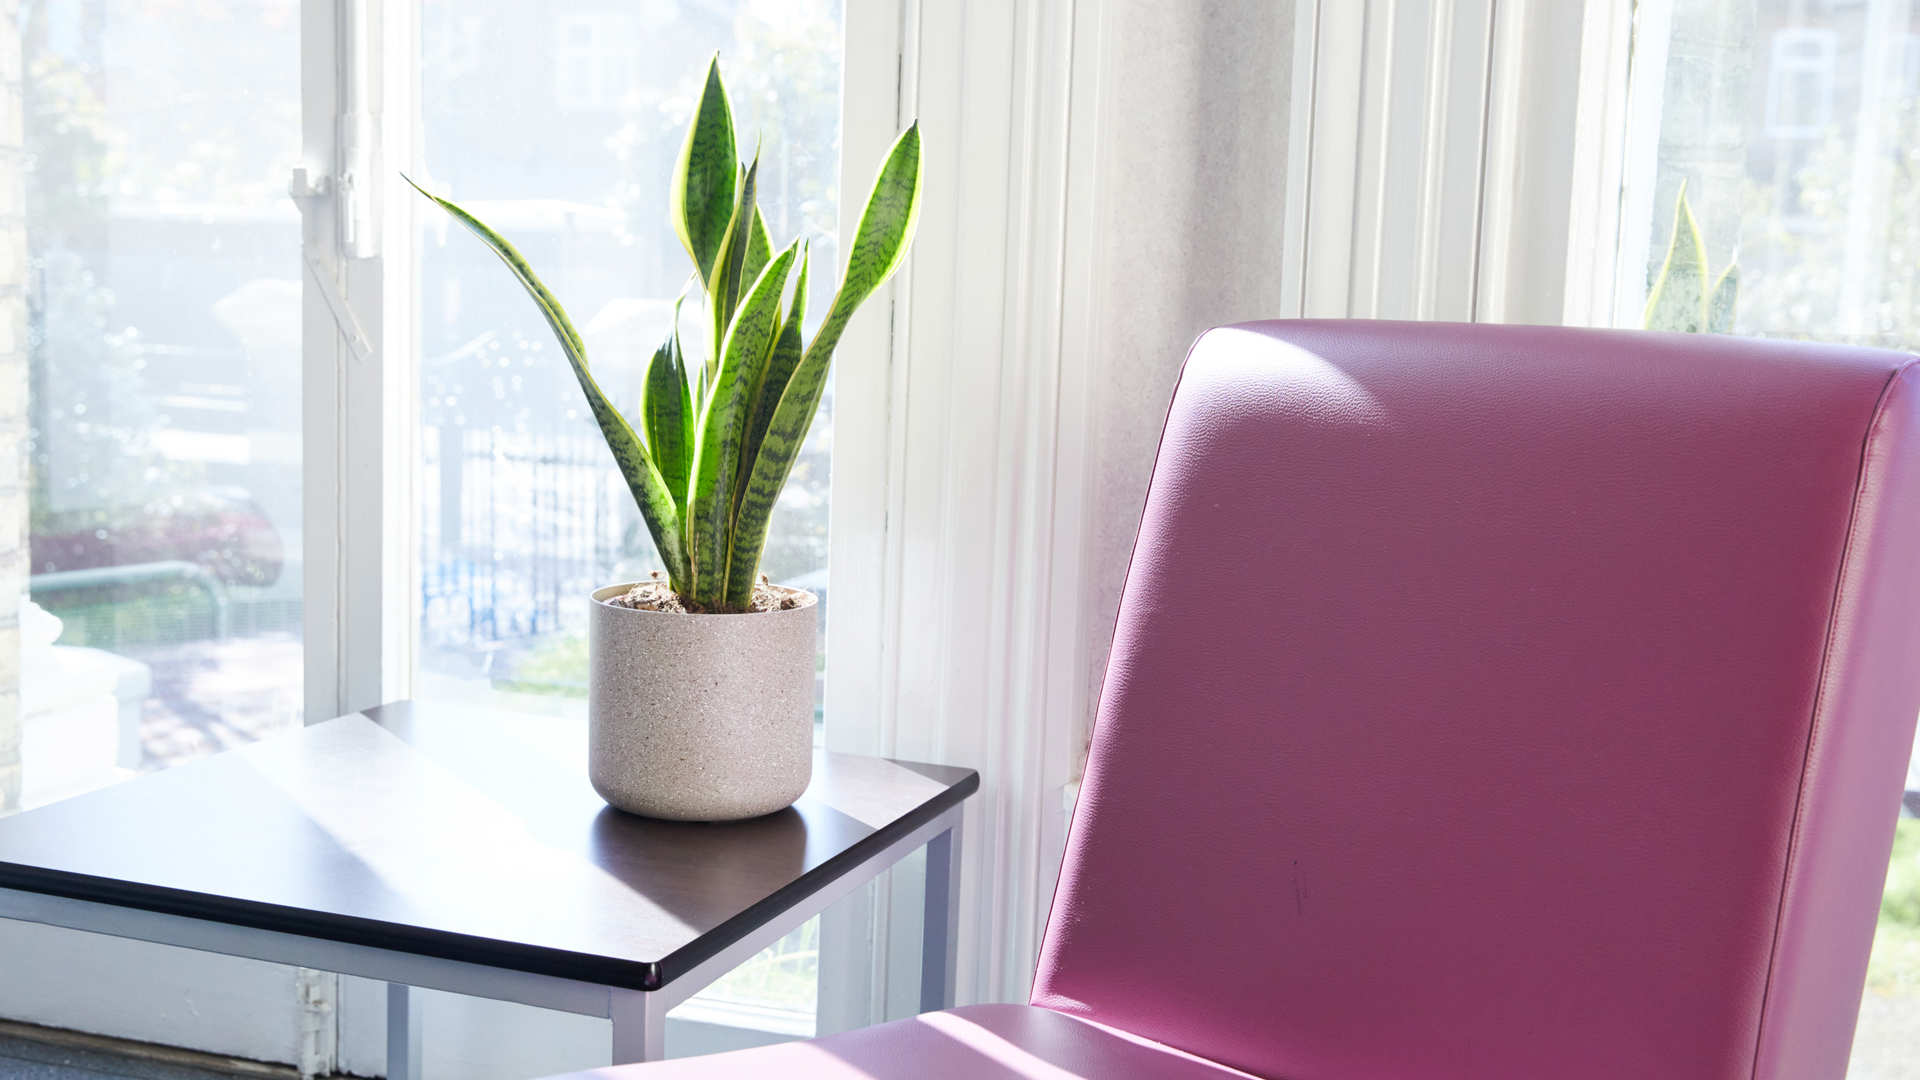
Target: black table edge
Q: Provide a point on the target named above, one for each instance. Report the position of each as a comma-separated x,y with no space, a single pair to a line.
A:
482,951
709,944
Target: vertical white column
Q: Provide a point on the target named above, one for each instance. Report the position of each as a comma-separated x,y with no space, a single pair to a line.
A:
359,106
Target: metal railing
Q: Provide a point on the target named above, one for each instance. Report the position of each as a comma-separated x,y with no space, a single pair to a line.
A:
515,530
136,575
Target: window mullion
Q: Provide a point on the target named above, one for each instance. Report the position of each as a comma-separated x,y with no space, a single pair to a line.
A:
359,71
322,362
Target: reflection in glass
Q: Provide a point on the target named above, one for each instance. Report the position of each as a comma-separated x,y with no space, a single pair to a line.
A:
162,327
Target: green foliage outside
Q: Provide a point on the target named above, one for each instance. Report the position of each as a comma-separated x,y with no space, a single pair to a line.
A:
1895,967
1810,283
121,619
86,387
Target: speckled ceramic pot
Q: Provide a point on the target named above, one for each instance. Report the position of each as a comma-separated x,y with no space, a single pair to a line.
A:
699,717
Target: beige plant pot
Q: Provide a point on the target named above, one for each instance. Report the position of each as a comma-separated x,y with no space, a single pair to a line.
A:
699,717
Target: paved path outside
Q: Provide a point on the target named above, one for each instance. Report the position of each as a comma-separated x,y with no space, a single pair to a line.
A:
210,696
1886,1044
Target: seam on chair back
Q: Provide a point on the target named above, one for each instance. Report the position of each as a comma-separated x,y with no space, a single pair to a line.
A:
1848,555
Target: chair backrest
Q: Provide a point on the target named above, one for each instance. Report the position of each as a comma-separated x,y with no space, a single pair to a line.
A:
1503,702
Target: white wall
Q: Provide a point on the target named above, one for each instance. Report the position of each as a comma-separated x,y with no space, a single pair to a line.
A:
1105,180
1193,159
152,993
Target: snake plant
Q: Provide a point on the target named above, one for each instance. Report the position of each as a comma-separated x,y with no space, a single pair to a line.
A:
717,429
1680,299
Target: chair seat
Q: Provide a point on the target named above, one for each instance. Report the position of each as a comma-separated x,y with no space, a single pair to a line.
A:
978,1042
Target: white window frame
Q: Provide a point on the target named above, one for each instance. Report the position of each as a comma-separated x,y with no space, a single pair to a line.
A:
359,329
960,432
1800,51
1477,207
1634,164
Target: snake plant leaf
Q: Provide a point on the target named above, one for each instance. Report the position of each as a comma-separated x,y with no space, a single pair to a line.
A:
701,200
886,225
1721,301
723,425
729,268
759,249
666,408
1678,299
629,453
788,346
880,242
767,475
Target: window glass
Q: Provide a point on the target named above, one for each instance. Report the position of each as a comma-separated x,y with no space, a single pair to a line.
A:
568,152
151,331
1800,76
1795,128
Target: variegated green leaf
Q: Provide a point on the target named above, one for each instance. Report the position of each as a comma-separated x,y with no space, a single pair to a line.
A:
1678,299
728,279
666,408
1722,300
879,244
716,456
779,447
759,249
788,345
886,225
629,453
701,200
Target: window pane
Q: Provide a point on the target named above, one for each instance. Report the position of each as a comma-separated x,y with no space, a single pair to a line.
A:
568,152
159,308
1795,128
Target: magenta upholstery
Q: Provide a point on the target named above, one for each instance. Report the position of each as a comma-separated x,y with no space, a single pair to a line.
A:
1503,702
1487,702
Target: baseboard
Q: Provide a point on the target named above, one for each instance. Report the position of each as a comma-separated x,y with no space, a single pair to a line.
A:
169,1055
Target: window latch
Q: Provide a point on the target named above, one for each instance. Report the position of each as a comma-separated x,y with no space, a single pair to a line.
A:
324,274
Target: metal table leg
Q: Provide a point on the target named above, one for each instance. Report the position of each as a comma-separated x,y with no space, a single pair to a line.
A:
938,946
639,1025
403,1032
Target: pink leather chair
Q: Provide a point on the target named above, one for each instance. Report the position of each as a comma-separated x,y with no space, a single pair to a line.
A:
1486,702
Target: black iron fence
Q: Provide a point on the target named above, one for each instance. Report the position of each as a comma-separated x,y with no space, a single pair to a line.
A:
516,528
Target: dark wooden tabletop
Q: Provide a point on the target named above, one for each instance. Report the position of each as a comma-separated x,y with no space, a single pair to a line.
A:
452,832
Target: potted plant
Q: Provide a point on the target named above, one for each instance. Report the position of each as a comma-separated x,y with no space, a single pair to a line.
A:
700,689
